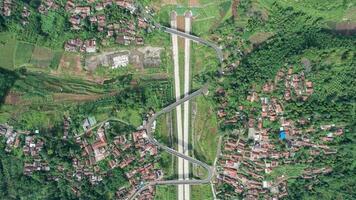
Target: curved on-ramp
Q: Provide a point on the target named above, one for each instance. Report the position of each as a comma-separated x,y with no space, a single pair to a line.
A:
148,126
148,129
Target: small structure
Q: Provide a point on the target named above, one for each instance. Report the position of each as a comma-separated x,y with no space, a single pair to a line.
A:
282,134
89,122
119,60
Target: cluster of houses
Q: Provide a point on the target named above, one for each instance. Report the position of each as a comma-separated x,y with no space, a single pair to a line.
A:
83,170
32,149
47,5
25,14
125,31
331,132
243,168
248,160
6,7
145,172
75,45
11,136
36,165
131,153
295,83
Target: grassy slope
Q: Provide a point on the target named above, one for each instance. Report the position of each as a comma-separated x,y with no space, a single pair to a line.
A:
201,192
205,131
207,15
166,193
8,45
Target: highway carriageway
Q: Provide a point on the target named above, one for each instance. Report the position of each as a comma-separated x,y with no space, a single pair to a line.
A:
194,38
148,129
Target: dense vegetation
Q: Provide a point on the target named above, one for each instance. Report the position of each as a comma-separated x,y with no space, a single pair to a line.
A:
57,152
296,37
293,36
53,29
7,79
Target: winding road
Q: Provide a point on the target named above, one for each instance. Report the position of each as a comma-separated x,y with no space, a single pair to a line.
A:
148,126
196,39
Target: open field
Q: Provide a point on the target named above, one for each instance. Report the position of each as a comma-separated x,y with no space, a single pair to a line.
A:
193,3
201,192
7,48
288,171
23,53
70,64
42,57
14,53
205,132
166,192
203,59
131,116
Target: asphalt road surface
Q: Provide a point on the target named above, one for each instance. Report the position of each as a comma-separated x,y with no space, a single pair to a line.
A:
179,107
187,21
169,108
195,38
148,128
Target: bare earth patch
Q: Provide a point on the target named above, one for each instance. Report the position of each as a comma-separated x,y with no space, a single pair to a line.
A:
259,38
193,3
59,97
42,57
13,98
181,27
70,63
169,2
346,28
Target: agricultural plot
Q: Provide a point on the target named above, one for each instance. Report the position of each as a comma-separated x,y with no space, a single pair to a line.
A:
23,53
42,57
8,45
56,59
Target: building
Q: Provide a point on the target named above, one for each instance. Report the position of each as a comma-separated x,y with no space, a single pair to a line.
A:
89,122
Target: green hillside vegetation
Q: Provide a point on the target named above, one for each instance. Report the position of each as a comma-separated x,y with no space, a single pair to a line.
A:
298,36
166,192
7,79
8,46
23,53
205,132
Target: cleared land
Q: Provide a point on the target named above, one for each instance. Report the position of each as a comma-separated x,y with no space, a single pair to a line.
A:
8,46
23,53
193,3
201,192
42,57
164,192
205,131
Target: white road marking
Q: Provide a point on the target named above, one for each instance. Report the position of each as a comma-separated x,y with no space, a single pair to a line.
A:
187,29
178,108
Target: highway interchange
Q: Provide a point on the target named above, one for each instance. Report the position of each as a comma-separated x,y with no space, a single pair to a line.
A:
177,104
